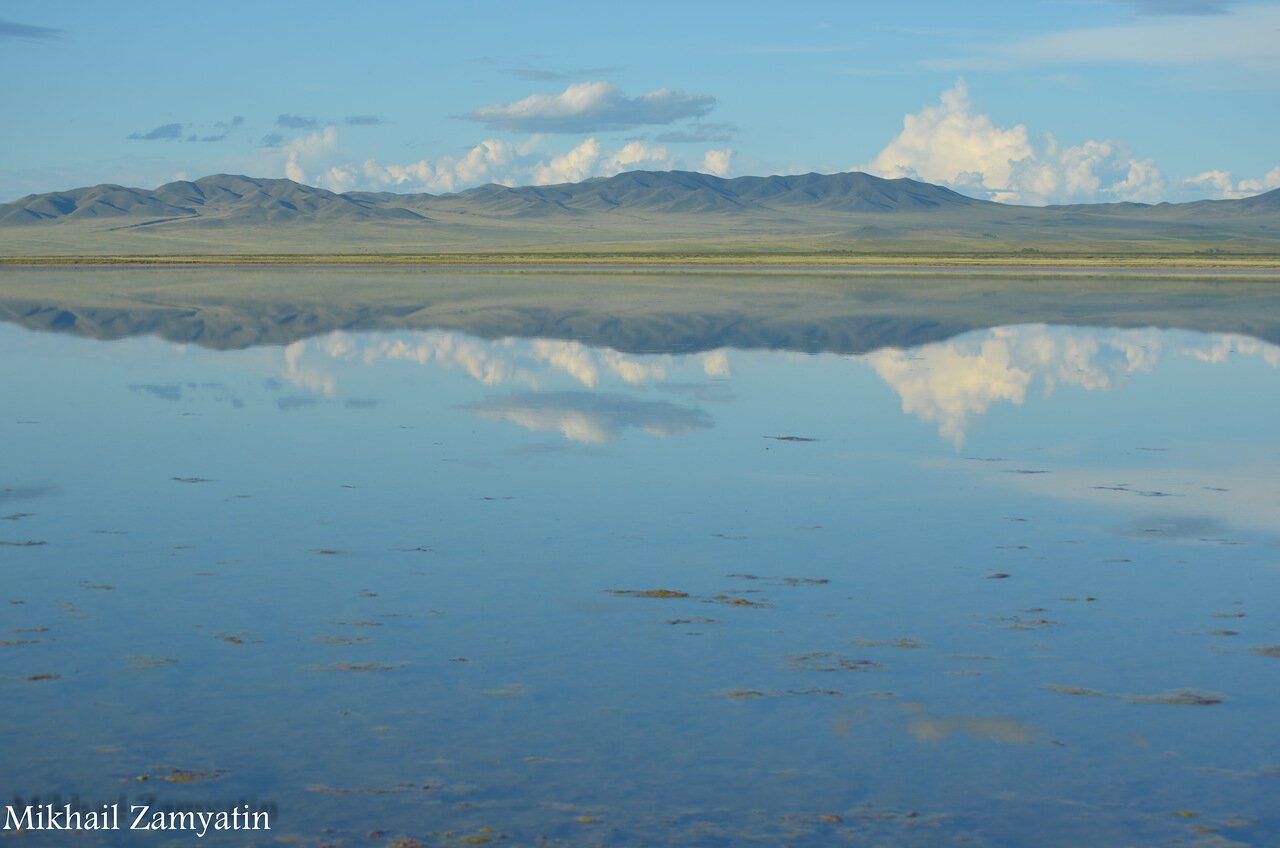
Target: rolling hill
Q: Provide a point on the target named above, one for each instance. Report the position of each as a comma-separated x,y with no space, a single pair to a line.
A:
666,210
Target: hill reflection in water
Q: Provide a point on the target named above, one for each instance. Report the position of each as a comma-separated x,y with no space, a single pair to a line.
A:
1006,585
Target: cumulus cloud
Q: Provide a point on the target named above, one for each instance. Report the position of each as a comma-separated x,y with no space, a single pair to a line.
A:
29,32
632,155
572,167
304,152
952,144
717,162
592,107
449,173
588,159
490,161
167,132
1220,184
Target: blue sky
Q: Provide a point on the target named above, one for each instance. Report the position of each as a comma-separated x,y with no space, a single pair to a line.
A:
1032,102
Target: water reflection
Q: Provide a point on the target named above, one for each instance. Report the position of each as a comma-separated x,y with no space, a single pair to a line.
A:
592,418
949,383
1004,587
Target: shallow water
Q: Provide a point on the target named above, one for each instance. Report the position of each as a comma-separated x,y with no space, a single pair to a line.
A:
1016,587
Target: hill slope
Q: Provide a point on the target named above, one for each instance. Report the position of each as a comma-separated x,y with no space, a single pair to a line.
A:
635,210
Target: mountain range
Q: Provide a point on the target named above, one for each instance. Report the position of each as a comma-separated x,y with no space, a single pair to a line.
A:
853,211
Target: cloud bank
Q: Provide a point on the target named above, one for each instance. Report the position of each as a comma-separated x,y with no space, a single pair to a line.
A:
317,157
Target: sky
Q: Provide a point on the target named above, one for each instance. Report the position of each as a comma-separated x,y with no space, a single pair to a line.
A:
1031,102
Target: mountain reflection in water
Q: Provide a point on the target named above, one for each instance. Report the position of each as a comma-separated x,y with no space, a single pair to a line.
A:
856,570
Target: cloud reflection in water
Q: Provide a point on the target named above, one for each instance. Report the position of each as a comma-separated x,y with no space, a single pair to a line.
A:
592,418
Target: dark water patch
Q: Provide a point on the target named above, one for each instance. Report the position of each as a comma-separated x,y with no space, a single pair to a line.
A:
1006,731
752,694
182,775
827,661
1142,493
357,667
648,593
1188,697
22,493
343,640
906,643
143,663
241,638
784,581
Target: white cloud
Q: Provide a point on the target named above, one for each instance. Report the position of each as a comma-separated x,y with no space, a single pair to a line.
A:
449,173
1220,184
308,151
717,162
340,178
293,170
585,107
633,153
951,144
572,167
497,161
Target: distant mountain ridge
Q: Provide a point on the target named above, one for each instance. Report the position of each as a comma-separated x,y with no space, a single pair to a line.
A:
634,210
251,200
244,199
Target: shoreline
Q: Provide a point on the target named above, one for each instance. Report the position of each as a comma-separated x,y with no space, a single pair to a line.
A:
727,262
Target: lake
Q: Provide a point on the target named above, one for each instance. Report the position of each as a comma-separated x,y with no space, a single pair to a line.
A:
429,558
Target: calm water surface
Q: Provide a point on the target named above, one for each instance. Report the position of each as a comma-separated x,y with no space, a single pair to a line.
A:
1015,588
